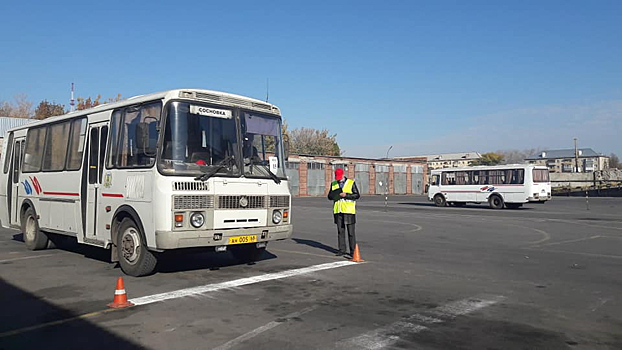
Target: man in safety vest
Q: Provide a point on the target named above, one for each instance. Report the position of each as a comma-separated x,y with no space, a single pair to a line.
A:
344,193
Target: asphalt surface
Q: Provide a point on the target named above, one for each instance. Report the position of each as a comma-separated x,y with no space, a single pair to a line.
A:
542,277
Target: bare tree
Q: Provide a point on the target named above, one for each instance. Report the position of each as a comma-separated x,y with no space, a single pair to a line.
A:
614,161
314,142
86,103
515,156
21,107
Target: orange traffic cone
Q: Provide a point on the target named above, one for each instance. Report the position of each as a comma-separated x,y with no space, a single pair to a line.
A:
120,297
357,255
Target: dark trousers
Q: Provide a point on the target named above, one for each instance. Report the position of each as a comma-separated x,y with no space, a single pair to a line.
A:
341,235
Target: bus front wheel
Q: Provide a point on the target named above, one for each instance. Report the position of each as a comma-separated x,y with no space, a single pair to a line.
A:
34,238
495,202
439,200
134,257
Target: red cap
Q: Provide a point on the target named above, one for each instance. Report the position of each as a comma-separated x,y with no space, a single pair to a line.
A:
201,162
339,174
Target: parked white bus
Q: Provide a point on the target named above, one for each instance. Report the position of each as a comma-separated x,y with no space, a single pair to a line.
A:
177,169
504,185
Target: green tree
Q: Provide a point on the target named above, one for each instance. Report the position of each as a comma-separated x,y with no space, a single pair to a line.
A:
490,158
47,109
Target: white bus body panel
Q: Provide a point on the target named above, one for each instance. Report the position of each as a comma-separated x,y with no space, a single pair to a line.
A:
479,193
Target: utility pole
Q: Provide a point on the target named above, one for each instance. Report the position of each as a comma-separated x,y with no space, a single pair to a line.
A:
576,156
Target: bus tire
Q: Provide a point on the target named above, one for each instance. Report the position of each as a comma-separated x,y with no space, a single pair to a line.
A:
34,238
440,201
247,252
495,201
134,257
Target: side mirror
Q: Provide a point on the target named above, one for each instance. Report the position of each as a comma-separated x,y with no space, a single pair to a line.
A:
286,147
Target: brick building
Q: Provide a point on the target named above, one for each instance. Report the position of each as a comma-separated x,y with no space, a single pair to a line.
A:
312,175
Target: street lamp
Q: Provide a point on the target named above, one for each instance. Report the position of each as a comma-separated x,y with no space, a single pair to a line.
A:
386,188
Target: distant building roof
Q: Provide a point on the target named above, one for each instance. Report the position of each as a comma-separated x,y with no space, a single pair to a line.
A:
446,156
564,153
7,123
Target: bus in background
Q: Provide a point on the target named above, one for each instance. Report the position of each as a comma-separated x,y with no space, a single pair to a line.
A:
500,186
178,169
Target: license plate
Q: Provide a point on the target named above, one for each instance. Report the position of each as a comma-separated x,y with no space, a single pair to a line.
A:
243,239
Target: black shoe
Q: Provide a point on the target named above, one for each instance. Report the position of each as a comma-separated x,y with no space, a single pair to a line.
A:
340,254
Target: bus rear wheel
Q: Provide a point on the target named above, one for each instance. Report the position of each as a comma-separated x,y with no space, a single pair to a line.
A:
495,202
134,257
34,238
439,200
247,252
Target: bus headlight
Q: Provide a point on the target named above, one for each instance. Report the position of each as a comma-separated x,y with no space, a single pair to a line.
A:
197,220
277,216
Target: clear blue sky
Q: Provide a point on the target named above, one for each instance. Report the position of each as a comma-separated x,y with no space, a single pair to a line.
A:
441,76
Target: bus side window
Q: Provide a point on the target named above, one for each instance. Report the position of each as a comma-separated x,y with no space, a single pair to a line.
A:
7,153
475,177
434,180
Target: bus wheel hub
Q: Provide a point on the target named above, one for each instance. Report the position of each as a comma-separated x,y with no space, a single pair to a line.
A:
130,243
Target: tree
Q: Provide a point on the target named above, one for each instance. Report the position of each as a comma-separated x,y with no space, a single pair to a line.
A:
86,103
313,142
614,161
490,158
47,109
19,108
515,156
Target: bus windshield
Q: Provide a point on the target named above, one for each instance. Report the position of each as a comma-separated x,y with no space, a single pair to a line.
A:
198,138
261,145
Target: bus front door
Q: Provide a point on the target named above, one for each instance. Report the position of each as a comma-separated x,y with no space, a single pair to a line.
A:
98,137
13,193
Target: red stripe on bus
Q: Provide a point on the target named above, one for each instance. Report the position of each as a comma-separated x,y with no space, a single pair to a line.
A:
117,195
61,193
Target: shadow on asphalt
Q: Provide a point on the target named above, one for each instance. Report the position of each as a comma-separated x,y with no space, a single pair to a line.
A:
315,244
179,261
470,206
171,261
70,244
22,309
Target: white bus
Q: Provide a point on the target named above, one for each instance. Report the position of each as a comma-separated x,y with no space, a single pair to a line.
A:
178,169
504,185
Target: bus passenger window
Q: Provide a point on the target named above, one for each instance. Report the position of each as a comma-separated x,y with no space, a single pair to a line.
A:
434,180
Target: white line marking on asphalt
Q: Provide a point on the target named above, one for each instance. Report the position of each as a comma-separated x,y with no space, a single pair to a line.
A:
236,283
27,257
259,330
386,336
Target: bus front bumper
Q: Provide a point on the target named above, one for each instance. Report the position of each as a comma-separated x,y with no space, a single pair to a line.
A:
206,238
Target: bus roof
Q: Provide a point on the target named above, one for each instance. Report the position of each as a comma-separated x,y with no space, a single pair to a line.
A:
491,167
202,95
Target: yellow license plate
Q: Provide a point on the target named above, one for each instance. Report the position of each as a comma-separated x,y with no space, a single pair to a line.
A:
243,239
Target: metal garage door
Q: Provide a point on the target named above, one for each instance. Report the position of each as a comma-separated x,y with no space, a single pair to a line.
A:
417,173
361,175
293,176
399,179
382,176
315,179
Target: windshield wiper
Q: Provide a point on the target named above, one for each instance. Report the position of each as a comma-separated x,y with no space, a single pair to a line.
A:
274,177
209,173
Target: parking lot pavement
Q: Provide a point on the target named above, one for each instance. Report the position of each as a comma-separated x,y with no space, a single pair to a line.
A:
545,276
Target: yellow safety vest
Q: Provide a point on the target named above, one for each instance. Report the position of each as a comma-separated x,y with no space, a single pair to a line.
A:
344,206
